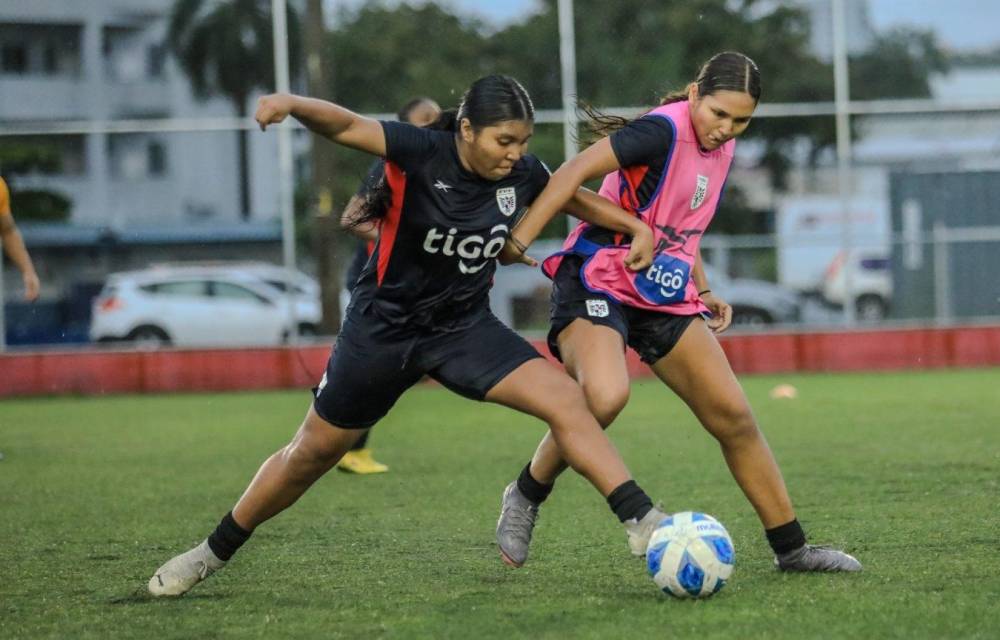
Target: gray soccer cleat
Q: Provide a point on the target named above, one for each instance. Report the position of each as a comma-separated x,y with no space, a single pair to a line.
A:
517,520
180,573
812,558
640,531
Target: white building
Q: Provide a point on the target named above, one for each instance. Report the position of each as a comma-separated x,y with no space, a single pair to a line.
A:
82,65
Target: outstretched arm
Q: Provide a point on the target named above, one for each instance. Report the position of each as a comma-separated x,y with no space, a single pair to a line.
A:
563,192
325,118
13,246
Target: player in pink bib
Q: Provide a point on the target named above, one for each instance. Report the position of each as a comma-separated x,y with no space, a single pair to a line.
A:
668,168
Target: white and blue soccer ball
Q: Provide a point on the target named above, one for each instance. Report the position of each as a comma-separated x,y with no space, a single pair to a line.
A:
690,555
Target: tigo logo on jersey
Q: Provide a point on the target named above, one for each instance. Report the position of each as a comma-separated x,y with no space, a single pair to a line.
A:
699,191
470,248
665,281
597,308
507,200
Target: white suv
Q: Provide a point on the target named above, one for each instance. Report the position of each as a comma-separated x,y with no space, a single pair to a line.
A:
871,283
199,306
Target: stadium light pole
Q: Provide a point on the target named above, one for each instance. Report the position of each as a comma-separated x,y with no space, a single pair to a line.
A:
842,98
567,64
282,84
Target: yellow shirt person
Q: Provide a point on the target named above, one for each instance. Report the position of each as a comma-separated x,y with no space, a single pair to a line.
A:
13,245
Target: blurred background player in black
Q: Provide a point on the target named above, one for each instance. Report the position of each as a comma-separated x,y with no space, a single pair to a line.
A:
421,112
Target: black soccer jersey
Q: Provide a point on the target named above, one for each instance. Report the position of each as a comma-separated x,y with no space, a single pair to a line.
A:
435,257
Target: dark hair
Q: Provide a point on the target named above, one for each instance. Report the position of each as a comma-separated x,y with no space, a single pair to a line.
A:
407,109
488,101
494,99
726,71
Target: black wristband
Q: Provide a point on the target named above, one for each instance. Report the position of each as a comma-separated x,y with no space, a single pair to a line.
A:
520,246
701,293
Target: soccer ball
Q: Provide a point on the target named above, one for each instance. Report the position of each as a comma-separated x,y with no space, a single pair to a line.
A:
690,555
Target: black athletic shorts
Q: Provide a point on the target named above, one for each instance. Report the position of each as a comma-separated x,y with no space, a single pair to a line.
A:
374,362
652,334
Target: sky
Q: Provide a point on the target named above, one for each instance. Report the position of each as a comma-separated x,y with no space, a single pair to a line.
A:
960,24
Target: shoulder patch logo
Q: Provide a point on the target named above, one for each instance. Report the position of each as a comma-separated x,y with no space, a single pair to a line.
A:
700,190
507,200
597,308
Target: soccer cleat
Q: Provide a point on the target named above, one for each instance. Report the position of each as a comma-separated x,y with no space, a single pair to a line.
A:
811,558
360,461
180,573
640,531
517,520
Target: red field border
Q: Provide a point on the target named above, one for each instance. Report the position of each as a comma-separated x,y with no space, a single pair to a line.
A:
93,372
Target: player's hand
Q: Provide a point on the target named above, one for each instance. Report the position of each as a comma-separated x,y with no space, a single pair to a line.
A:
31,286
722,313
272,109
511,254
640,252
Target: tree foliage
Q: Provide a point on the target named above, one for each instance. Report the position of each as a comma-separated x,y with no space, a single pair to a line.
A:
226,47
629,53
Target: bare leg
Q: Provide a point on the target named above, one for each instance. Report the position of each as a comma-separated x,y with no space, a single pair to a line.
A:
538,388
286,475
697,370
595,356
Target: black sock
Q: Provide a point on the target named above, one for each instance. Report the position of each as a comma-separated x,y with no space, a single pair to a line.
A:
787,537
362,442
629,501
227,538
533,489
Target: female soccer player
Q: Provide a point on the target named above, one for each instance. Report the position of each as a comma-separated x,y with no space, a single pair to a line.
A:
668,168
421,307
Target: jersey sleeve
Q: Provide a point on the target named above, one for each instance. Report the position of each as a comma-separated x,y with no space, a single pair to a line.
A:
407,145
643,141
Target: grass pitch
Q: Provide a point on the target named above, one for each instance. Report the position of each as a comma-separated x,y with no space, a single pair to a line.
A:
900,469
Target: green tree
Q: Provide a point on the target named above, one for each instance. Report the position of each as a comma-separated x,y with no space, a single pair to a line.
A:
226,47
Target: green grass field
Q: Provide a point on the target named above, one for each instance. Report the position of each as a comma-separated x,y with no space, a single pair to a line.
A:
901,469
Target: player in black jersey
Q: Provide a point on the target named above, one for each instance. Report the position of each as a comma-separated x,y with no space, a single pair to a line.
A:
419,112
421,308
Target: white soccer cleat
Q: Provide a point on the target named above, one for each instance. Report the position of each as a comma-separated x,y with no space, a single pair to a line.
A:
640,531
180,573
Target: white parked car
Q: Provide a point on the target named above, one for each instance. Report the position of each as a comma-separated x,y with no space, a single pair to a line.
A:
200,306
871,283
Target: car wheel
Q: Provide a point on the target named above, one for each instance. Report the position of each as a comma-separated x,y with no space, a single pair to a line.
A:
871,308
751,318
148,337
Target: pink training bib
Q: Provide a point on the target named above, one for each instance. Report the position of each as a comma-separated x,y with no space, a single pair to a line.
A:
679,211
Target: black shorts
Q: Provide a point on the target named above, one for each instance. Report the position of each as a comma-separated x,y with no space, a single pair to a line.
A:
652,334
374,362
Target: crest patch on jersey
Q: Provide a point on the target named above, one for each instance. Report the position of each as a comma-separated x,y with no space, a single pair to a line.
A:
597,308
700,190
507,200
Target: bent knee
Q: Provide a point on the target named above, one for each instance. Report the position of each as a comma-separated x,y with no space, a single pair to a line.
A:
606,402
733,422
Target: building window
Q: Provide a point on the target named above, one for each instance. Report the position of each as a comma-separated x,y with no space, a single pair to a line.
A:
157,158
14,58
155,59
